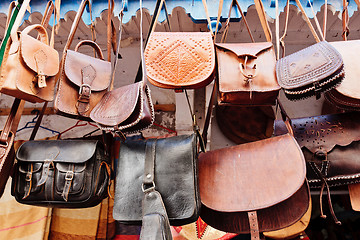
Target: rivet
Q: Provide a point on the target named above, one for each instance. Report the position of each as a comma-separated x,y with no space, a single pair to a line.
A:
148,176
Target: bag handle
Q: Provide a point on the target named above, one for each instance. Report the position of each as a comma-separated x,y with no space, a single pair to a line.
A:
43,36
76,22
262,16
92,44
226,30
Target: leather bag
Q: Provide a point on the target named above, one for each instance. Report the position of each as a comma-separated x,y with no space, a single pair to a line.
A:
83,80
127,109
195,68
246,71
61,173
264,182
175,171
29,66
310,71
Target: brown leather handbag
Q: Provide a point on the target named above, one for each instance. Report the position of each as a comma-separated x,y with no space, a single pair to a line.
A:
83,79
29,66
246,71
264,182
129,108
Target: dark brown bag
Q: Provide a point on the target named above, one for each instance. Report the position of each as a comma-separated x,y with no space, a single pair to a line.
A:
254,187
83,80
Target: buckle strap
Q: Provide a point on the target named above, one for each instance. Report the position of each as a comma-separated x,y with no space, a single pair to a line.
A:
69,176
254,225
28,180
48,164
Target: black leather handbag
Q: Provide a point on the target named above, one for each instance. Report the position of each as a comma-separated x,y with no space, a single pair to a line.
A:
61,173
175,178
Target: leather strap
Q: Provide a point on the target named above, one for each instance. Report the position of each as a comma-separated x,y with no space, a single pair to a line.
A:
345,20
226,29
9,122
281,39
91,44
149,169
262,16
11,8
110,30
254,225
18,20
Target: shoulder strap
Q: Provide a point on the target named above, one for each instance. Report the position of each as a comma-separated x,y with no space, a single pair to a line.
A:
262,16
345,18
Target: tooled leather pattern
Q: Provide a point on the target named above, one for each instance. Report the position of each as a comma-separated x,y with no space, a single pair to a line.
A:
308,65
178,61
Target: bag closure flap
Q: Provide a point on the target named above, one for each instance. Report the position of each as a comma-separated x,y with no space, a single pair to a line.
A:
308,65
320,134
39,57
251,176
117,105
245,49
61,151
82,69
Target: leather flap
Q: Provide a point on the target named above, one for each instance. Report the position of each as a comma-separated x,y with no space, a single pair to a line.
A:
38,56
323,133
24,168
179,59
78,64
308,65
251,176
245,49
117,105
63,151
349,51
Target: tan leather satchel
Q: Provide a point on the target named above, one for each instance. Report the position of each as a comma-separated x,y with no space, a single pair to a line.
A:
264,182
83,80
29,66
247,70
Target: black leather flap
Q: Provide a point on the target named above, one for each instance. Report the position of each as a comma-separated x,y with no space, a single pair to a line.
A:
66,151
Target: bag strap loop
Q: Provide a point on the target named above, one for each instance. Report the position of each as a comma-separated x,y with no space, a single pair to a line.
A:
91,44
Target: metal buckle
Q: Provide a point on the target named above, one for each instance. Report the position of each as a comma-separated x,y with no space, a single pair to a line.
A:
147,187
28,176
81,89
69,175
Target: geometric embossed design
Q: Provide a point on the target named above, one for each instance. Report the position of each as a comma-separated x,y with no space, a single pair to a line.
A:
309,62
178,62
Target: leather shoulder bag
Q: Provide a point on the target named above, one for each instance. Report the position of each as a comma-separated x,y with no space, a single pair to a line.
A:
61,173
310,71
175,171
166,69
264,182
83,79
29,66
246,71
127,109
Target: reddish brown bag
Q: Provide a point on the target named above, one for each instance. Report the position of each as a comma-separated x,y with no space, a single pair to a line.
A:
264,184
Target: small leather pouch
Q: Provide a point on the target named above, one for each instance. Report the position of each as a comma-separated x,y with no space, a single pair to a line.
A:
180,60
310,71
247,73
61,173
83,82
29,66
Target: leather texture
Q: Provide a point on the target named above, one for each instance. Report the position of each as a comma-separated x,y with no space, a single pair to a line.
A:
61,173
155,223
29,67
175,179
247,73
245,124
310,71
347,94
82,83
332,143
126,109
293,230
179,60
279,196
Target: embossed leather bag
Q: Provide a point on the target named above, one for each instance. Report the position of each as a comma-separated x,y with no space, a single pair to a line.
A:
61,173
264,182
310,71
175,173
29,66
180,60
83,79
